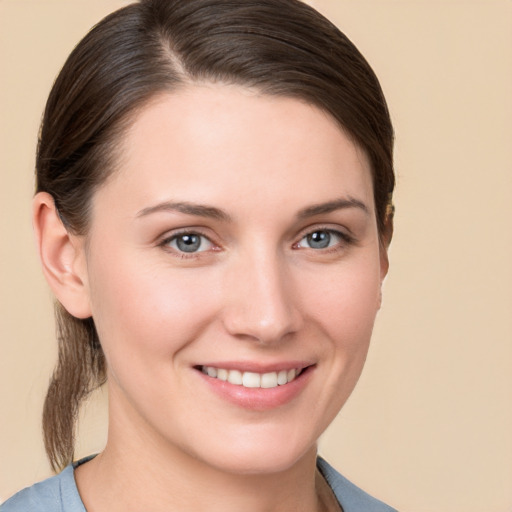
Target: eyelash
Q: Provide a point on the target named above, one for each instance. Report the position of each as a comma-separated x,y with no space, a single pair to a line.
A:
344,240
165,244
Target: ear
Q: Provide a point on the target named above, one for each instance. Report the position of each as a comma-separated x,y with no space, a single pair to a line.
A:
62,257
385,241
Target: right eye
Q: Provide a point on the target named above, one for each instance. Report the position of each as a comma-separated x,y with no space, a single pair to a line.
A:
320,239
188,243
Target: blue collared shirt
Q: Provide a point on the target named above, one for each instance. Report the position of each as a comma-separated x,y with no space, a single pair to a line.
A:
60,494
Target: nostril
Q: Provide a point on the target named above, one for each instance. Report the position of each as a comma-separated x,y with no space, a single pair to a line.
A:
265,327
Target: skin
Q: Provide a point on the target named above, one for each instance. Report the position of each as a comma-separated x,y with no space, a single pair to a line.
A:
256,292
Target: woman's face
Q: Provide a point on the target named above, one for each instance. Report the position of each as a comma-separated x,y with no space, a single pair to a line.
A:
236,246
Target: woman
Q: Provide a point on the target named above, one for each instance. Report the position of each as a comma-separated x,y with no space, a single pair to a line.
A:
213,212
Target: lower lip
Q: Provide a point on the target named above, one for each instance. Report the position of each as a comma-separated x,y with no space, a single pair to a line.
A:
258,399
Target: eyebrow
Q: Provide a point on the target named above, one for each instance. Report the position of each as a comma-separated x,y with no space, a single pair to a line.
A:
198,210
201,210
331,206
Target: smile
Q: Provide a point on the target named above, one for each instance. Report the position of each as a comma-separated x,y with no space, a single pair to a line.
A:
253,379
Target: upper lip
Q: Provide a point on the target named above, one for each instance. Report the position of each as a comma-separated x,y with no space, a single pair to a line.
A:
258,366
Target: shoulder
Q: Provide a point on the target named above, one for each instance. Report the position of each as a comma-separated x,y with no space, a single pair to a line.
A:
350,497
56,494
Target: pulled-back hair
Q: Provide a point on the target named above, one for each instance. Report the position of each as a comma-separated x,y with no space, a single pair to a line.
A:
278,47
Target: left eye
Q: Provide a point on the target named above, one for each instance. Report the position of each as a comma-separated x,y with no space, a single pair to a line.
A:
321,239
189,243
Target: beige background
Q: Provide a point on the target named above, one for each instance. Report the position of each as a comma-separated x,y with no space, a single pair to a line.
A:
429,427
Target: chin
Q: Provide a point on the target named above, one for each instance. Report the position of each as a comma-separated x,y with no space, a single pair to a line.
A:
263,464
257,455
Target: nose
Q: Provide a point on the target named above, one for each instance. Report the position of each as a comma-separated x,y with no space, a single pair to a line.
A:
260,301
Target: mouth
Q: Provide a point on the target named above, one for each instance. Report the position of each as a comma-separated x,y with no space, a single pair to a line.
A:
249,379
257,387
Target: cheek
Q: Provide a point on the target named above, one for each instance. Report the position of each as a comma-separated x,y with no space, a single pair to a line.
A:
148,312
345,302
344,309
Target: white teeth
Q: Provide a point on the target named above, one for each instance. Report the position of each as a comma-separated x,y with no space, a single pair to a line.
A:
252,379
235,377
269,380
282,377
222,374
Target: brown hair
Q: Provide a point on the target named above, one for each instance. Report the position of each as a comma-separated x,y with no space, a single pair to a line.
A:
279,47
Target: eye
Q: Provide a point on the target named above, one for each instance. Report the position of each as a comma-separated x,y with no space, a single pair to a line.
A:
188,243
321,239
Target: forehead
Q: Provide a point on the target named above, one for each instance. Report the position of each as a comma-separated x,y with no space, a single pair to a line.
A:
207,142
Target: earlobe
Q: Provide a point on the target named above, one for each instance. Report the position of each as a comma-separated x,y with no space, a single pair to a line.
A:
62,257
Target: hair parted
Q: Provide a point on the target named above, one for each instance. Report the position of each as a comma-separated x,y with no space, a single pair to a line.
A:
157,46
